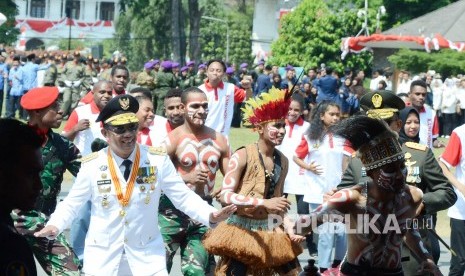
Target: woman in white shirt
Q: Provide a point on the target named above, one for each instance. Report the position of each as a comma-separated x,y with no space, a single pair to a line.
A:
295,182
324,159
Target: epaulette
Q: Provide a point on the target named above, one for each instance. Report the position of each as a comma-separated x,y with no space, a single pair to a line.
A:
416,146
160,150
89,157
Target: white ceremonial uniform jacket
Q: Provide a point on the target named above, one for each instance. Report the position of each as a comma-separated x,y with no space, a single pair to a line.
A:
136,233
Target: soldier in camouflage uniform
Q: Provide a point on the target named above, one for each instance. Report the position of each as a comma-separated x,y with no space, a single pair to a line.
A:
90,73
146,78
61,62
105,74
190,69
58,154
72,78
51,74
208,152
165,81
185,80
201,76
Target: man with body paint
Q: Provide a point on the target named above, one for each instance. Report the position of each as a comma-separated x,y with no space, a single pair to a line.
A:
247,243
384,202
197,153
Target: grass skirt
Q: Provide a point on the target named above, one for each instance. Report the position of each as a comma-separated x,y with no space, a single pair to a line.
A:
260,249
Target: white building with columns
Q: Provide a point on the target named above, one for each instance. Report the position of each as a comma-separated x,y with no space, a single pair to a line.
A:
42,21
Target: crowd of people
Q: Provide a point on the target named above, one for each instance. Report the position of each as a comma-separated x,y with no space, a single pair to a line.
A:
145,150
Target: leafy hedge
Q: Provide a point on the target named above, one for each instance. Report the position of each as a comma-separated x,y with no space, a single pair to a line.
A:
445,62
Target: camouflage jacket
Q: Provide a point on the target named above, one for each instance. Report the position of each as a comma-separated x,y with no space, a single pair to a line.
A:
58,155
51,75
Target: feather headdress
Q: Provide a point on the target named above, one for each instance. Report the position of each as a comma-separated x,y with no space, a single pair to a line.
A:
268,107
376,144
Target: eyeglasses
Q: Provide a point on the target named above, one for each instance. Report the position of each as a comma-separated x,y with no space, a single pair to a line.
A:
123,128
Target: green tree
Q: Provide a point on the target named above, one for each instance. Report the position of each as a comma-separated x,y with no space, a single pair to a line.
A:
9,34
312,33
213,34
400,11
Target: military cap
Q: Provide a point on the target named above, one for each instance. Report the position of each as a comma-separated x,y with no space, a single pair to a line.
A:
191,63
40,97
120,110
174,64
261,62
202,66
244,65
184,68
155,62
381,104
148,65
229,70
166,64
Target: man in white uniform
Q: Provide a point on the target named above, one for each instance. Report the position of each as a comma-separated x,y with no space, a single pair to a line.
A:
124,182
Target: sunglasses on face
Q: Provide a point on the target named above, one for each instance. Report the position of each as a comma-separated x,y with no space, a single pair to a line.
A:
123,128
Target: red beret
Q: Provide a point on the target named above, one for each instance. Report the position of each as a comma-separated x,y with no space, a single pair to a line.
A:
40,97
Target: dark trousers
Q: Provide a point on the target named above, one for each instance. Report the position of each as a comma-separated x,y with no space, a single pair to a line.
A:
457,241
2,95
311,239
449,122
461,117
237,115
12,106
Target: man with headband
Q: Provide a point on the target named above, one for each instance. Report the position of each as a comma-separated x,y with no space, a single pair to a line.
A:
423,171
379,211
247,243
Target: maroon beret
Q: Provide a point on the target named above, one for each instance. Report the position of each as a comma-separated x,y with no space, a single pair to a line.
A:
40,97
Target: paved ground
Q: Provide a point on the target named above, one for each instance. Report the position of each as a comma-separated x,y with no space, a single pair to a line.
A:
444,260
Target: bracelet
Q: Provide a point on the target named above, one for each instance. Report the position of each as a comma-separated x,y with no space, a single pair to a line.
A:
212,224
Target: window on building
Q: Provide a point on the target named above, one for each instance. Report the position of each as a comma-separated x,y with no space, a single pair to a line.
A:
73,8
107,11
37,8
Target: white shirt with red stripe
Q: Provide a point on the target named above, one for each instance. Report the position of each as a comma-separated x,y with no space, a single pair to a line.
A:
221,101
158,131
429,127
328,154
453,157
295,182
84,138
